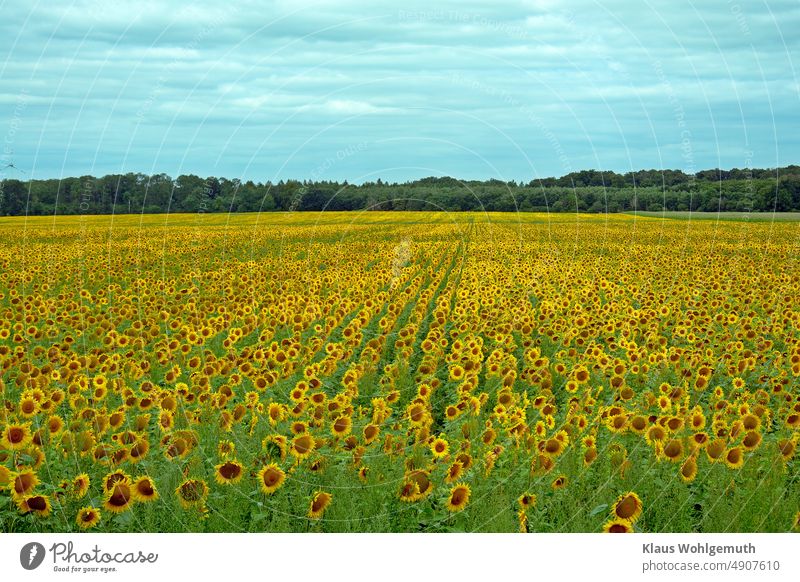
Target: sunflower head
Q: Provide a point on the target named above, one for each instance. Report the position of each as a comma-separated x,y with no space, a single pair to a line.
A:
270,478
228,472
23,482
15,436
38,505
627,507
618,526
319,503
88,517
526,501
144,490
119,497
458,497
439,448
80,486
192,492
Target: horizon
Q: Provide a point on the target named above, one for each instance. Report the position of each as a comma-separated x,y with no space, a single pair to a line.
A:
516,91
411,180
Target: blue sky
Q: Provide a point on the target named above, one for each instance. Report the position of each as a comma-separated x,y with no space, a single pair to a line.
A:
360,90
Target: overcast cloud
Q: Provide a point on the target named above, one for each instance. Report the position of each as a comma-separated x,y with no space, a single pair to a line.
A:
360,90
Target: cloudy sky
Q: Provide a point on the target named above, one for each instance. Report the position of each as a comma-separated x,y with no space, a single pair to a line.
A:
357,90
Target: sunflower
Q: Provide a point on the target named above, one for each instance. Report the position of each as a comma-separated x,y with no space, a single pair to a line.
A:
618,526
192,492
454,472
228,473
734,458
673,450
342,426
55,424
298,427
526,501
371,432
276,413
638,424
627,507
176,447
119,497
715,450
302,446
581,375
689,469
655,434
319,503
459,497
560,482
456,372
421,479
276,444
488,436
751,440
80,486
674,423
23,483
15,436
697,420
39,505
751,421
409,491
29,407
698,440
88,517
226,449
138,450
270,478
416,414
144,490
5,476
786,447
115,477
440,447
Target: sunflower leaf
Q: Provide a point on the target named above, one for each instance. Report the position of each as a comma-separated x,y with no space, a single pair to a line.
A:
599,509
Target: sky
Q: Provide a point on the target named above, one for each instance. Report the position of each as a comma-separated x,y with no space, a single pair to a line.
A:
357,90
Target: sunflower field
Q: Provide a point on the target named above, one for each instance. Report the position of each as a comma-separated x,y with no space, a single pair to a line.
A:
399,372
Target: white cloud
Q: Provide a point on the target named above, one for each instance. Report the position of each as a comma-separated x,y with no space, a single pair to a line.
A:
352,107
127,79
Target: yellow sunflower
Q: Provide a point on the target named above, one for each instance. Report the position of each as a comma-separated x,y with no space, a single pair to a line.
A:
119,498
144,490
270,478
459,497
228,472
15,436
88,517
618,526
319,503
627,507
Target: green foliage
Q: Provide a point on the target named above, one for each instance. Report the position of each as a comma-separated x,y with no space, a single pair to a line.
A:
746,190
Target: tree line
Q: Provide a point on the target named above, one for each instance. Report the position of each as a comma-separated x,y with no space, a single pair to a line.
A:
744,190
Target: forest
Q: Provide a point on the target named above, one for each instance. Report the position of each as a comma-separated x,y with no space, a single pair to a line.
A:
593,191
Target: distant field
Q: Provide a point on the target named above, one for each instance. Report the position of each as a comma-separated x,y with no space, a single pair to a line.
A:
751,216
398,372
